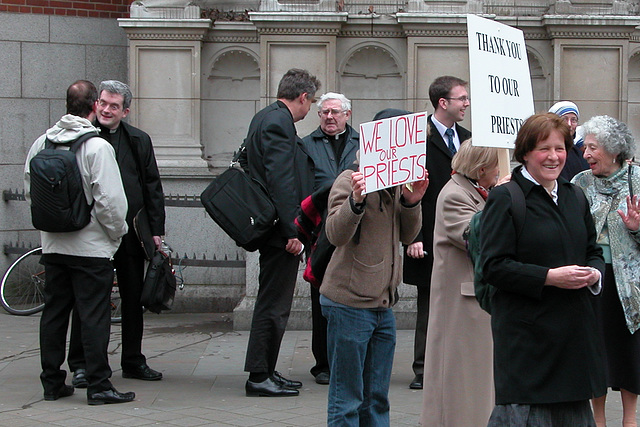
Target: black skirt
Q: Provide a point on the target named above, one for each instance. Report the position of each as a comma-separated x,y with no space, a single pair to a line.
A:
621,348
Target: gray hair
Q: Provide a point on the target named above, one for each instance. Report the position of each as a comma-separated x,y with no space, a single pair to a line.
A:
346,103
117,88
614,136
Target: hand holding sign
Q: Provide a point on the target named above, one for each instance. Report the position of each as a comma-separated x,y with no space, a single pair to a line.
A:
358,187
418,188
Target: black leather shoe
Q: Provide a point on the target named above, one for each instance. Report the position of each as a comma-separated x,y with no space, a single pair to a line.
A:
268,388
110,396
323,378
65,391
279,379
416,384
80,379
142,372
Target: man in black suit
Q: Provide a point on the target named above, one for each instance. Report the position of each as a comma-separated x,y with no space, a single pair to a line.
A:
450,99
141,179
276,157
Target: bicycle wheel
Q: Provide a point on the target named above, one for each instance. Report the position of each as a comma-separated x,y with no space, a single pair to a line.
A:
22,285
116,302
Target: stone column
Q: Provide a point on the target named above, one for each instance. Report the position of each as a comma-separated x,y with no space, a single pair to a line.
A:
164,74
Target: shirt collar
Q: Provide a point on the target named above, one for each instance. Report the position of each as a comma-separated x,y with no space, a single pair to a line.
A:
554,192
442,128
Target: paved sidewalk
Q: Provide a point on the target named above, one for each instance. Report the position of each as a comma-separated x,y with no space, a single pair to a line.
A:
202,360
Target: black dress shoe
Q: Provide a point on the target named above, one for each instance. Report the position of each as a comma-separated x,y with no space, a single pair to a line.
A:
279,379
268,388
416,384
110,396
80,379
142,372
65,391
323,378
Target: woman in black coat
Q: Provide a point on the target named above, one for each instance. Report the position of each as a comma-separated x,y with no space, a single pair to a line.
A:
547,362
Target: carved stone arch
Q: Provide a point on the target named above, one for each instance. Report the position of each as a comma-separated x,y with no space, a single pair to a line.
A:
230,98
371,76
229,71
634,93
540,82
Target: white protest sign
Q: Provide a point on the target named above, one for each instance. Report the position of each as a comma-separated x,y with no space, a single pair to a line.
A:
500,82
393,151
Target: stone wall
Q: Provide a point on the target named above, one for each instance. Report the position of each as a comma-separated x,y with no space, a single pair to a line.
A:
40,56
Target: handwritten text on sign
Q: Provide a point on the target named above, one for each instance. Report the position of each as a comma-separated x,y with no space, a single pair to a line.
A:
393,151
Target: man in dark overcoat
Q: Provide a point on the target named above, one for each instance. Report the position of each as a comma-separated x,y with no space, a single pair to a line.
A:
450,99
275,156
141,180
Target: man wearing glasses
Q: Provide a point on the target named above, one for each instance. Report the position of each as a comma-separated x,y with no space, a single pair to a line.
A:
333,148
450,99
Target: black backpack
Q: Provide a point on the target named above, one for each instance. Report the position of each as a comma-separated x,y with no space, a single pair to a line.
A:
58,202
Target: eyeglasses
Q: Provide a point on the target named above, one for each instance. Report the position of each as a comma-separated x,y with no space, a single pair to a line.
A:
334,112
104,104
460,98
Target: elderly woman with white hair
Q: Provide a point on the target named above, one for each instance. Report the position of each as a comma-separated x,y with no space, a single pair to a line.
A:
611,187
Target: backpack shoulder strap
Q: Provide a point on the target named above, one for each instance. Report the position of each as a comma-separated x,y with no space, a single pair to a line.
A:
518,205
75,144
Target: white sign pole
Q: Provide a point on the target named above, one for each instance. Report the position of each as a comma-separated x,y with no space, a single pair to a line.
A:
500,82
393,151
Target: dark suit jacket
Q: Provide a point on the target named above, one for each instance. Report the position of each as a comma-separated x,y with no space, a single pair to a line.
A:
276,157
418,271
545,338
142,186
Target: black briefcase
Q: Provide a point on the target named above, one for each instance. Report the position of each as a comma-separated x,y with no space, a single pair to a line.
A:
241,206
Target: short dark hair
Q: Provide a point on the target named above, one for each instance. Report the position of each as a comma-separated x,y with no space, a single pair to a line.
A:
81,97
441,87
537,128
295,82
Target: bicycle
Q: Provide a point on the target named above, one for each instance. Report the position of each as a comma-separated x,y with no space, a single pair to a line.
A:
22,285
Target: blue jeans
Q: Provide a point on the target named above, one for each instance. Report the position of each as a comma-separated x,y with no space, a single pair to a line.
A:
361,344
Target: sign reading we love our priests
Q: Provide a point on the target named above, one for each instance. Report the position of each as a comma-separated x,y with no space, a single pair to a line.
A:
393,151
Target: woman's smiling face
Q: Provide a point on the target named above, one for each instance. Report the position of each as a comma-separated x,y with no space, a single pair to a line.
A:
546,160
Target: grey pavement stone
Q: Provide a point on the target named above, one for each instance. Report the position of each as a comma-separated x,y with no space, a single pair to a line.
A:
202,360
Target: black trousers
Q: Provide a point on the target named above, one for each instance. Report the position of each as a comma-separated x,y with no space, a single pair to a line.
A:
277,281
318,334
83,283
420,338
130,271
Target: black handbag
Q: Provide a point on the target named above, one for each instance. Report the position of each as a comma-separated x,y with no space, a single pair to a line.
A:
241,206
159,287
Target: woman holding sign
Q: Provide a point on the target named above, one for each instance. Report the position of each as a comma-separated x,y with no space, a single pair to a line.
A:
358,290
459,360
547,358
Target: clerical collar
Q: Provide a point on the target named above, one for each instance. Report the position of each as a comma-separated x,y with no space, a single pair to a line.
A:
337,135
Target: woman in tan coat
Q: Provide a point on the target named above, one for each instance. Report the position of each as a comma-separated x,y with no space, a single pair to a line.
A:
458,370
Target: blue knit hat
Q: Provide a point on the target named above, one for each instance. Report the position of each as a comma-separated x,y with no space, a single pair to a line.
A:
564,107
